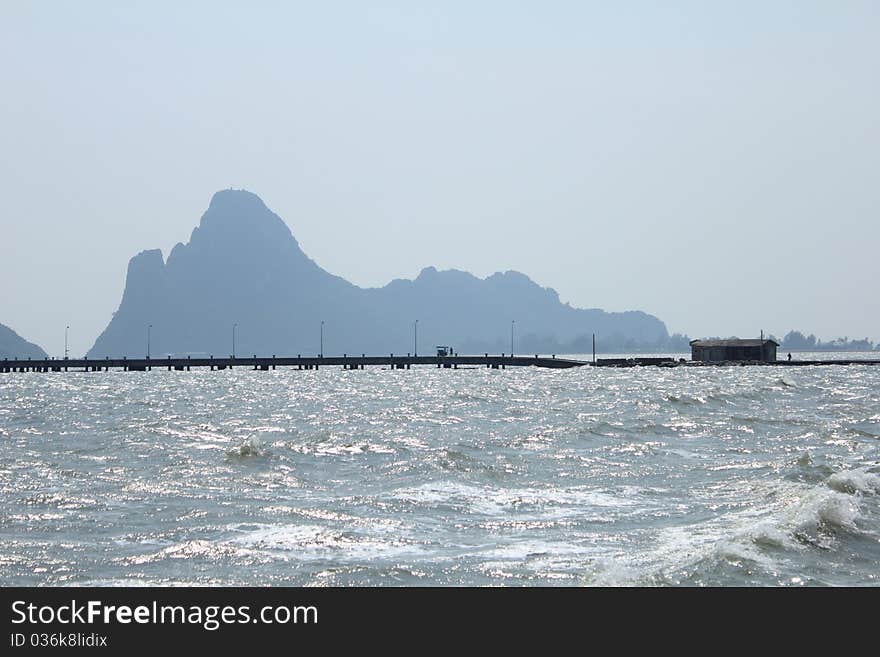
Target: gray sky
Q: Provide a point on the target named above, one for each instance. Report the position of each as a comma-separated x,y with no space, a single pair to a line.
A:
715,164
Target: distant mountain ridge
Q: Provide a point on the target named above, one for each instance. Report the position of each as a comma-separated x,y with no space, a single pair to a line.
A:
12,345
242,266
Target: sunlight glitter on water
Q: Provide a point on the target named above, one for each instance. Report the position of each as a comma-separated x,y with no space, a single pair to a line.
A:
379,477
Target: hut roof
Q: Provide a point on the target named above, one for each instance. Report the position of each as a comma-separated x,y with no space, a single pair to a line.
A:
733,342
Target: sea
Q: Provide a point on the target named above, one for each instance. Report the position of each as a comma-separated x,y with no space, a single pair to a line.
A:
646,476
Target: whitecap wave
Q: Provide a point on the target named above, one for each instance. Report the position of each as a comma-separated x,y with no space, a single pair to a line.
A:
855,481
251,447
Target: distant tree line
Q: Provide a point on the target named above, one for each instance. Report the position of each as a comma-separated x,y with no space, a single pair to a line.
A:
797,340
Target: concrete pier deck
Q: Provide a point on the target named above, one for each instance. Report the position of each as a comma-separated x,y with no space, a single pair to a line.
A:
391,361
272,362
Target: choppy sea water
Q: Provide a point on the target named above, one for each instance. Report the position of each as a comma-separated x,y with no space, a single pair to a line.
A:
641,476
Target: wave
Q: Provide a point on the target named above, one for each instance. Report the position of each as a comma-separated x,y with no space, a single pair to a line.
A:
291,541
750,545
542,503
817,515
684,399
250,448
197,549
855,481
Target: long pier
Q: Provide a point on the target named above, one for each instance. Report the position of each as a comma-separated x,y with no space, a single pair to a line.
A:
270,363
391,361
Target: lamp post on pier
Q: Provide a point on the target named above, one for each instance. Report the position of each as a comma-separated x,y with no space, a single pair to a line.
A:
149,326
321,354
234,326
66,329
416,338
512,322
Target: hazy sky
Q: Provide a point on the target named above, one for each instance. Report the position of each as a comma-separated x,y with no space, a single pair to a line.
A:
715,164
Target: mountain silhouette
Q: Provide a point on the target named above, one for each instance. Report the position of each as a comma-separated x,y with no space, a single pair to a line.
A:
12,345
243,267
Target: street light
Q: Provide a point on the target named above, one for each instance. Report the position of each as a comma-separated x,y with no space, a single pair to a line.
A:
233,339
416,338
149,326
66,329
512,322
321,353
